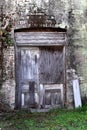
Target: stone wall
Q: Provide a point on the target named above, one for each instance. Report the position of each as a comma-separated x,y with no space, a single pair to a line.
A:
8,85
68,13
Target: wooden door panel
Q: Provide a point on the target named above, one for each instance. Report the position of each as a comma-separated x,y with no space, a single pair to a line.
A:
32,94
28,75
53,95
51,65
26,99
25,95
29,63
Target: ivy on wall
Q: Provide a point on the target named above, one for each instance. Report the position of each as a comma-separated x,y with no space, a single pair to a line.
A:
5,38
6,24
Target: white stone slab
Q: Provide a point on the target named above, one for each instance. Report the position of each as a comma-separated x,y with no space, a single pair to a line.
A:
76,91
22,99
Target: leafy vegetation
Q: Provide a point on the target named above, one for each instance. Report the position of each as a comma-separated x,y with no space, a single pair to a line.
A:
5,38
53,120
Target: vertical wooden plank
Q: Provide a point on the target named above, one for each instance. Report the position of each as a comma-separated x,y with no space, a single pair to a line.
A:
32,94
64,82
52,99
28,63
47,98
26,99
41,96
61,97
24,69
19,71
16,74
18,79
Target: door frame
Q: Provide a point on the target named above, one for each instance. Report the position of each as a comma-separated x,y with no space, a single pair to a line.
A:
17,61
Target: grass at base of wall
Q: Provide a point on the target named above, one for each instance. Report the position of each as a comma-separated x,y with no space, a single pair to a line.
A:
56,119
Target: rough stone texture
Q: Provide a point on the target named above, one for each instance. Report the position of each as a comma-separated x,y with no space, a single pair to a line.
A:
8,86
70,13
1,65
8,63
69,90
70,76
8,92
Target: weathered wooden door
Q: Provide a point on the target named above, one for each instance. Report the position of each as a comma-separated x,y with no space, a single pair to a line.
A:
41,77
28,75
40,67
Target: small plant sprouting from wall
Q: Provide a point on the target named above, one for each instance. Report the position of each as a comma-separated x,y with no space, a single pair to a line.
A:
5,38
